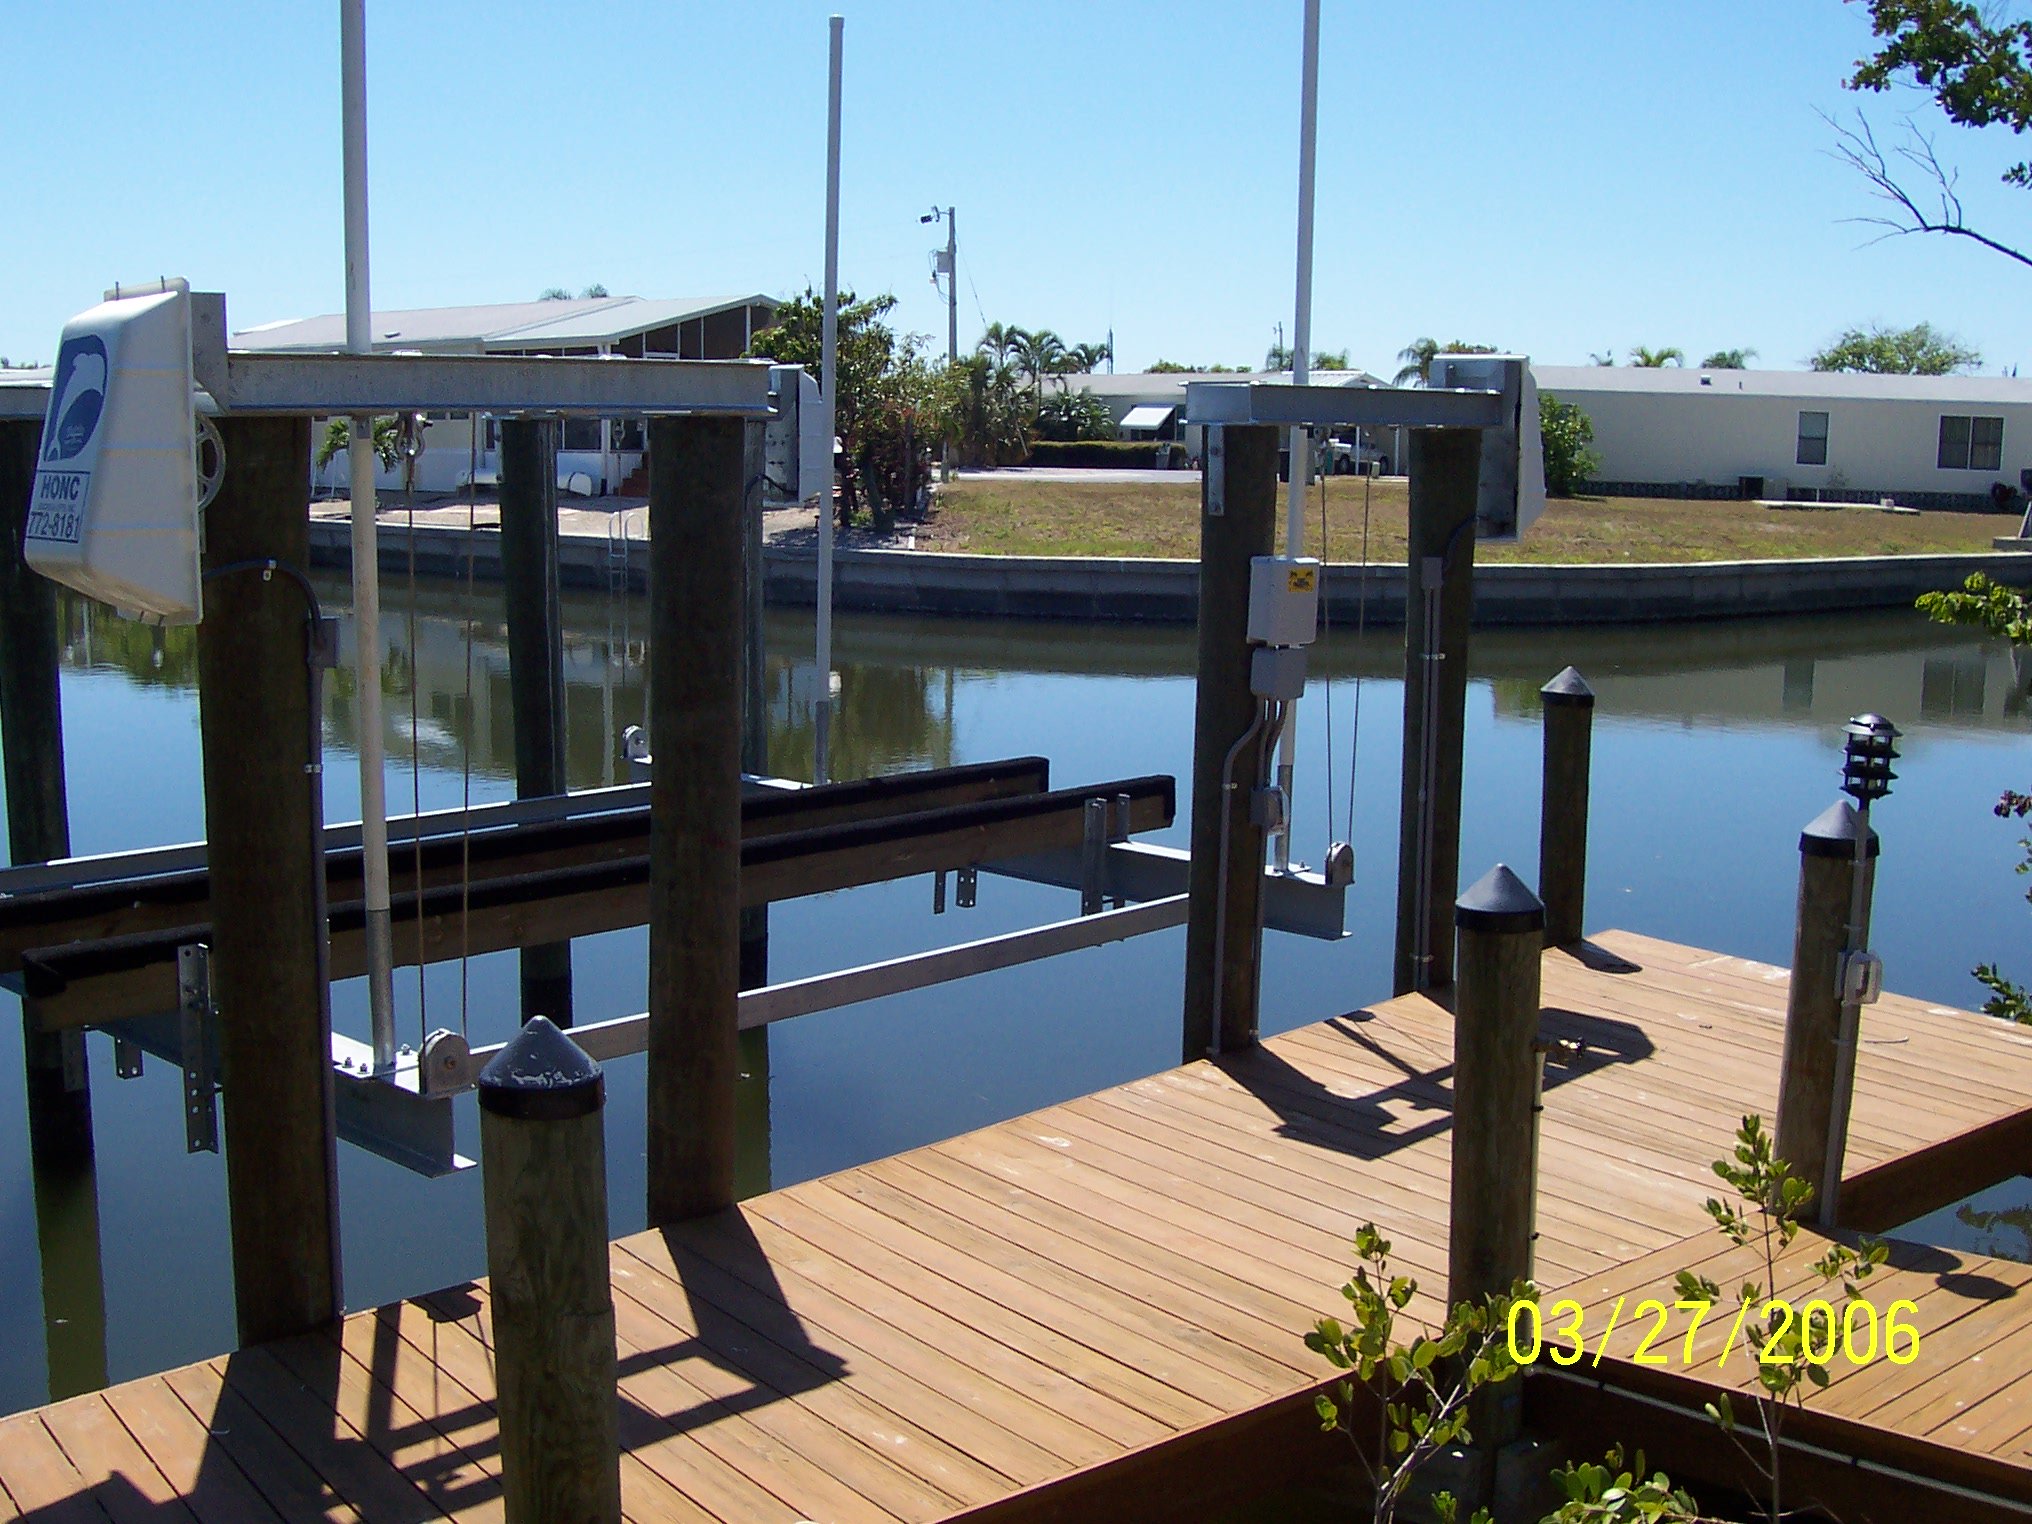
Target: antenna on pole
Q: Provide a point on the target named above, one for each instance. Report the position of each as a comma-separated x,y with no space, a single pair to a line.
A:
829,372
1301,372
361,464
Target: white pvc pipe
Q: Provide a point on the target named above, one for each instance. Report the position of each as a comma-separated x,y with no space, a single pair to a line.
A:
1301,372
829,378
366,548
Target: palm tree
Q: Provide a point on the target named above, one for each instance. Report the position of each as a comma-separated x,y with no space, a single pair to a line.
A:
1417,357
1654,359
1084,358
1039,354
999,343
1729,359
1606,357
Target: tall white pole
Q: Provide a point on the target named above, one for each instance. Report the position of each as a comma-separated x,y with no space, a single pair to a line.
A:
828,382
1301,372
366,548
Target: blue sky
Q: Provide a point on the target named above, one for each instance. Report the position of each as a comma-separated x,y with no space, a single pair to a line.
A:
1560,177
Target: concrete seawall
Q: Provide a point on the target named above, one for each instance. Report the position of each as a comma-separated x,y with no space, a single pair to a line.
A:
1071,587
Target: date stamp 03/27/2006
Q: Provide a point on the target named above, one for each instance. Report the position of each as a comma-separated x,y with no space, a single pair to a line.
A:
1816,1330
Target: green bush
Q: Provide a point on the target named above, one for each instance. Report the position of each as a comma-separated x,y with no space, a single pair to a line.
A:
1102,452
1566,433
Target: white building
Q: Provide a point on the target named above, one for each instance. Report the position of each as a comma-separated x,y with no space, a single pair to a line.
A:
1923,441
596,455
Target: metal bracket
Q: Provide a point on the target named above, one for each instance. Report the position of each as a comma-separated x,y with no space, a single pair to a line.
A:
197,1029
938,892
1215,471
964,886
126,1058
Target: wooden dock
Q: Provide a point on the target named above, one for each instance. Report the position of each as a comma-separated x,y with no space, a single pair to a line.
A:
1095,1310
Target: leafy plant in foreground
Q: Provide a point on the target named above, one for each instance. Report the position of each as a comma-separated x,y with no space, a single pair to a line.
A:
1765,1213
1424,1385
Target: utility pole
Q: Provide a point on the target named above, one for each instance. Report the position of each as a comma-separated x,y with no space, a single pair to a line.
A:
951,270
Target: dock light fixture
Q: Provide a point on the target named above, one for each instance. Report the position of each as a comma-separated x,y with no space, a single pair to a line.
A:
1867,754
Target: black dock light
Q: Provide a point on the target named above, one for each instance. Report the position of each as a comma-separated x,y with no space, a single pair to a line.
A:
1867,755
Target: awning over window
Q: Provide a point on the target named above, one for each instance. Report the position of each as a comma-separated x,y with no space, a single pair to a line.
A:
1149,415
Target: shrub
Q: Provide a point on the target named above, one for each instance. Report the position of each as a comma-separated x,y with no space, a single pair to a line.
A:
1566,434
1102,452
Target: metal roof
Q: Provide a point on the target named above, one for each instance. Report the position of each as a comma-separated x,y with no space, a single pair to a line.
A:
1800,385
499,326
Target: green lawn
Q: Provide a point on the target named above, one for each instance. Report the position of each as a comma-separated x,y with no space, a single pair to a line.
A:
1017,517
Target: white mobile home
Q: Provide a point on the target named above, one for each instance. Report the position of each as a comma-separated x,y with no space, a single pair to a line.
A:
1923,441
598,455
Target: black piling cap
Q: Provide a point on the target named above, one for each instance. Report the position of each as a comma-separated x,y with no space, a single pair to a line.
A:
1499,901
1568,688
542,1076
1832,833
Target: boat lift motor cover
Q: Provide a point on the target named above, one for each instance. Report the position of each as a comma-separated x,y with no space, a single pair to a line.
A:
1512,491
114,509
797,459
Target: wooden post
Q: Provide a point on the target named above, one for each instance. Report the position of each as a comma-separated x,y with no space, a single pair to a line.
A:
1495,1098
1813,1061
1445,470
754,700
1563,809
752,1171
264,815
57,1079
543,1156
695,622
1501,925
535,662
31,705
1238,519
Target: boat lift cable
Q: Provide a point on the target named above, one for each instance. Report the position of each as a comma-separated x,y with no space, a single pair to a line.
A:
1361,629
415,750
466,746
1326,671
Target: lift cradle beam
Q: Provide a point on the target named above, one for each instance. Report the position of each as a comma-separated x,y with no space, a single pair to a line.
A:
169,889
94,983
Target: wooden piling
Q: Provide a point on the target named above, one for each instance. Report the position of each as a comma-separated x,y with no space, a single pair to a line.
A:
1445,469
535,662
754,700
1238,518
544,1162
696,618
1811,1068
1563,809
31,704
56,1077
1502,928
264,817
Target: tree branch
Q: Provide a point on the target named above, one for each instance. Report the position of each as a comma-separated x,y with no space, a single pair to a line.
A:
1858,148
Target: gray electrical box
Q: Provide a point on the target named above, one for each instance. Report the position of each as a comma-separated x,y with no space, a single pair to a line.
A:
1283,600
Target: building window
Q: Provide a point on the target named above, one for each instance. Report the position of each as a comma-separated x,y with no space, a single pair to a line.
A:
1812,439
581,434
1971,444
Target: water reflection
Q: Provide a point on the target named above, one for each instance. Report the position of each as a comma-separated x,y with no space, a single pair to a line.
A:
1714,744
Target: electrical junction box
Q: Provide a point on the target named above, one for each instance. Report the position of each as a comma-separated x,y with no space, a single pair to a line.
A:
1283,600
1277,672
114,508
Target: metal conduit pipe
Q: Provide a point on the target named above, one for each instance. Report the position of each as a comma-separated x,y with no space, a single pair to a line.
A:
1221,892
1802,1446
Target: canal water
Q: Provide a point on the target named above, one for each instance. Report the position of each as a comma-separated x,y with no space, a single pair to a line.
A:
1714,744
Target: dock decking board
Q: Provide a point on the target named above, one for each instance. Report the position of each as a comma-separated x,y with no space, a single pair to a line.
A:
1035,1315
